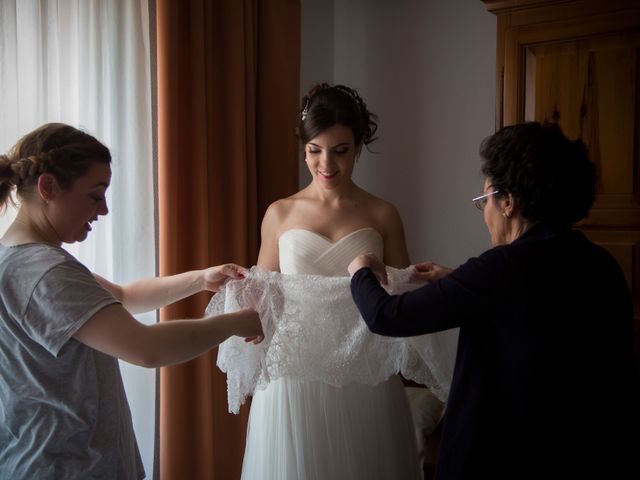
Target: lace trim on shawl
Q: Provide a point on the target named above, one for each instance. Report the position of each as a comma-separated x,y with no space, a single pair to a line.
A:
314,332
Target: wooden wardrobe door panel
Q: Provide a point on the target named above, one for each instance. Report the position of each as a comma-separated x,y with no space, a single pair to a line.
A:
577,63
590,88
624,246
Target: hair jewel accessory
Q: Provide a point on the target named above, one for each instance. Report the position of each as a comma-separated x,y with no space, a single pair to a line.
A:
305,110
348,91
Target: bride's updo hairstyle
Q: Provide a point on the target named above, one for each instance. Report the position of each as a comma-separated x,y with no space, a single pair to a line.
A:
62,150
325,106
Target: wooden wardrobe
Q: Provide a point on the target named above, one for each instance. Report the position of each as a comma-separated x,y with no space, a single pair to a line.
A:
577,63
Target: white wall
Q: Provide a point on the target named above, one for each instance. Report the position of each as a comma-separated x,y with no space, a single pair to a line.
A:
427,68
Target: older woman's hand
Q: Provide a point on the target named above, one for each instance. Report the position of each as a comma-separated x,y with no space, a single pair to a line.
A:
429,271
371,261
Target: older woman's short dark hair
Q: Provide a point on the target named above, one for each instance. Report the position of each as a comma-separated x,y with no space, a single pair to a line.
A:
550,176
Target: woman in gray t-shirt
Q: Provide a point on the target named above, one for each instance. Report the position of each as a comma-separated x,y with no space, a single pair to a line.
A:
62,403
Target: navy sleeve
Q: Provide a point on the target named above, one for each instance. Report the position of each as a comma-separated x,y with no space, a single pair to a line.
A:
466,295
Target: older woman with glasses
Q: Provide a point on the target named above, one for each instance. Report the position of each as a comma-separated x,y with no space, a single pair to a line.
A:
545,384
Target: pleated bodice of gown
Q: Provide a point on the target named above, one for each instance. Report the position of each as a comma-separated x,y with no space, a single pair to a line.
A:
314,431
306,252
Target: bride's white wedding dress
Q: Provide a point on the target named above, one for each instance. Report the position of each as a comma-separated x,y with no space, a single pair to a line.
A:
310,430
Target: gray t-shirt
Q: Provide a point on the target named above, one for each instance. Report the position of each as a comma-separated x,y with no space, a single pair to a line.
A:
63,410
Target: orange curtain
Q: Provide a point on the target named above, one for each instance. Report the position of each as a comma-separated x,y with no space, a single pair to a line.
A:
228,93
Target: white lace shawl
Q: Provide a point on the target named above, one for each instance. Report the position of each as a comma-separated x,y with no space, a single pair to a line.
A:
314,332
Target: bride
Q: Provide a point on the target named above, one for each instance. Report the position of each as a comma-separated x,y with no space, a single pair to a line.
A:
302,430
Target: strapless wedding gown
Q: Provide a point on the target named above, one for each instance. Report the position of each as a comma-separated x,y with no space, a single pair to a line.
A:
308,430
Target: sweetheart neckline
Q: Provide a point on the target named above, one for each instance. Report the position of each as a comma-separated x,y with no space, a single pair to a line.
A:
327,239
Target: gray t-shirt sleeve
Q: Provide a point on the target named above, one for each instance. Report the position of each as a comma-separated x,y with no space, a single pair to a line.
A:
62,301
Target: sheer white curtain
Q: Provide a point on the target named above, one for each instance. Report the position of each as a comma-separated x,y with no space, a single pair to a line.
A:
86,63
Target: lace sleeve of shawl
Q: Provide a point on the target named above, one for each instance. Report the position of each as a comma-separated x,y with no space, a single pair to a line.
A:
314,332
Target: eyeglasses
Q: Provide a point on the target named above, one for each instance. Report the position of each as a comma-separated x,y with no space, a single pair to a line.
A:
481,201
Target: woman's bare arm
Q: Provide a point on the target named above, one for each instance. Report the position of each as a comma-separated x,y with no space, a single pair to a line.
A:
153,293
115,332
395,245
269,256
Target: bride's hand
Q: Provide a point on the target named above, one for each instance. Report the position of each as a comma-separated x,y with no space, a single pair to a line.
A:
371,261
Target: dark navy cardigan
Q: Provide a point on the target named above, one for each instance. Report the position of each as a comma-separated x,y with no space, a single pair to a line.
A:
545,383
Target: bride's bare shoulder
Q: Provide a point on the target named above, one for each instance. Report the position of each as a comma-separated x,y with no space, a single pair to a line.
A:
283,206
378,207
282,209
